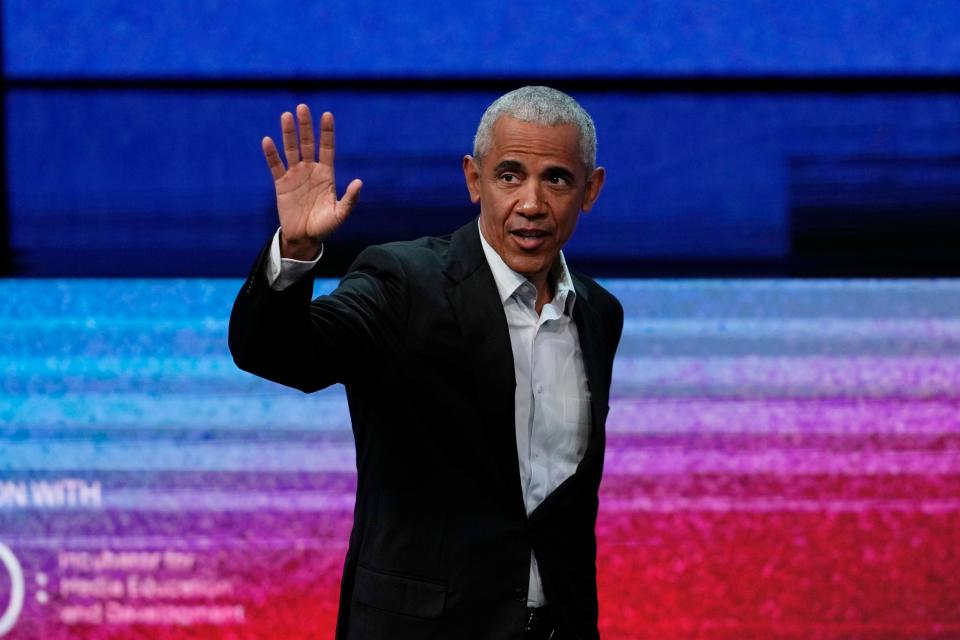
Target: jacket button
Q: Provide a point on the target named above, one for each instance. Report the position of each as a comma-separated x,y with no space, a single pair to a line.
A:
520,594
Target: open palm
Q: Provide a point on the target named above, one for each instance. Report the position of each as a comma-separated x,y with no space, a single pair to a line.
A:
306,191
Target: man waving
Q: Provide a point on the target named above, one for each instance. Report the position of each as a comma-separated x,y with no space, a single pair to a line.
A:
477,369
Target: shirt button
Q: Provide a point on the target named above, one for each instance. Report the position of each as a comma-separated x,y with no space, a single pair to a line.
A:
539,388
520,594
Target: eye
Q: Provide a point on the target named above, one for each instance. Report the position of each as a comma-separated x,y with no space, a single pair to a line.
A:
508,177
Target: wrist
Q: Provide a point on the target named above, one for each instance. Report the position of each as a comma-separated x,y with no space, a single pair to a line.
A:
303,249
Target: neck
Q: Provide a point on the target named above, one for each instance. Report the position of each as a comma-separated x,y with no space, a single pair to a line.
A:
546,285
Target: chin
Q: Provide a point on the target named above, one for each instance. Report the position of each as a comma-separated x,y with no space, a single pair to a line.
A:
528,266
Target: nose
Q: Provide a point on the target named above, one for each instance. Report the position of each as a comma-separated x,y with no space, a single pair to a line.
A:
531,199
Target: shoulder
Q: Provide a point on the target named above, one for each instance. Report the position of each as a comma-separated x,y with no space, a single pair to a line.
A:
409,258
404,281
400,275
604,301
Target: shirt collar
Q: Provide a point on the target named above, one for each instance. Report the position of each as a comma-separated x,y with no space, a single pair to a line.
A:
509,281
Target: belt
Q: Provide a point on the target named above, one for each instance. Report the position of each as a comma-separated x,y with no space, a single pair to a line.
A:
539,624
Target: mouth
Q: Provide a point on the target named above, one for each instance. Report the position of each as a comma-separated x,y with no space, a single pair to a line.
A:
529,239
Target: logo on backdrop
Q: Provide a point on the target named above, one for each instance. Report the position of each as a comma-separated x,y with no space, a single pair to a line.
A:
11,609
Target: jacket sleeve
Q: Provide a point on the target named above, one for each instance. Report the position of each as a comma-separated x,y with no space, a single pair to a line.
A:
284,337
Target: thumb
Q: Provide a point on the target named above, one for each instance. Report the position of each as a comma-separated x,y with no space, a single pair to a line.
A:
349,199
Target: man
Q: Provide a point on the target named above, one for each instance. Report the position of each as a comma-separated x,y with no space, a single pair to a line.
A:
477,370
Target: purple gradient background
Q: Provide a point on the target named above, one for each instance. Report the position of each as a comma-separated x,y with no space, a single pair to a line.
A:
782,460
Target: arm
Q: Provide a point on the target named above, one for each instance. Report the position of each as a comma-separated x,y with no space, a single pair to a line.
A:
280,335
284,337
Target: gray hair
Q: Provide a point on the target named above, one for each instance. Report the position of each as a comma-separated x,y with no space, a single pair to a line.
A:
543,106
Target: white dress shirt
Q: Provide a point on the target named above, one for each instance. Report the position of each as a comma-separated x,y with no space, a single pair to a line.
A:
551,401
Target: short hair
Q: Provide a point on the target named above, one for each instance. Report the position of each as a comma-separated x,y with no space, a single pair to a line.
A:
543,106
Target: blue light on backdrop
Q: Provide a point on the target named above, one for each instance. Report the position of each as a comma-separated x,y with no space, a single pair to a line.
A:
167,179
157,183
339,38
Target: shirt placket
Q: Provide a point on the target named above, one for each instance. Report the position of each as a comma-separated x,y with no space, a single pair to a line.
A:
540,381
531,329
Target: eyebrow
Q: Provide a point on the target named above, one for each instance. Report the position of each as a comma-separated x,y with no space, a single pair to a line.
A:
510,165
518,167
560,172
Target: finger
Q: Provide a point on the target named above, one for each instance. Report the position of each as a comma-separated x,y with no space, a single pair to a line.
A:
349,199
273,158
291,149
326,139
306,133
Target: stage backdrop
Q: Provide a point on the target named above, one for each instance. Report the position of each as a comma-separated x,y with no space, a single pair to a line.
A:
751,137
784,455
783,462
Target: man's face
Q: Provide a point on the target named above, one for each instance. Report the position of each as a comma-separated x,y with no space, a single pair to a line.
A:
531,186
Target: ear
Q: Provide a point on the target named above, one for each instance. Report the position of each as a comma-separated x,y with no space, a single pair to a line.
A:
471,173
592,192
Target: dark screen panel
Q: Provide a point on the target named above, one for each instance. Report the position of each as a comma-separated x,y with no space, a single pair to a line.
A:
173,183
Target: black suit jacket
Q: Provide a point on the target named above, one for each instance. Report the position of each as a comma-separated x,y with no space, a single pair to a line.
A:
441,541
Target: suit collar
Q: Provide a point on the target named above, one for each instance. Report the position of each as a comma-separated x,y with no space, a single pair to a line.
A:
508,280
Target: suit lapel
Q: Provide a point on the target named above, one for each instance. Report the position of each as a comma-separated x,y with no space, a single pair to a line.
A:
593,346
475,301
590,333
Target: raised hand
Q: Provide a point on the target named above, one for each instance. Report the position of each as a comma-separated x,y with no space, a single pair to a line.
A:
306,192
